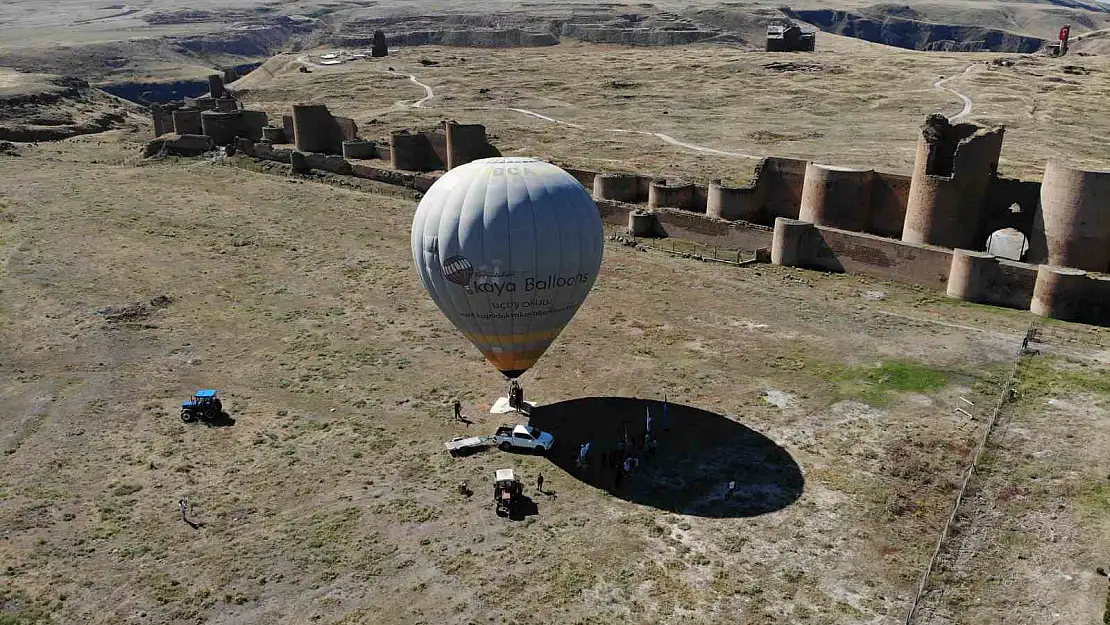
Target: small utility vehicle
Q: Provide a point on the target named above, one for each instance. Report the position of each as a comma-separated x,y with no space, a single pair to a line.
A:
508,492
204,406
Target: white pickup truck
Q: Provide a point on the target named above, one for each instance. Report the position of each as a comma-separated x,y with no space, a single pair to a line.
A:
506,437
523,437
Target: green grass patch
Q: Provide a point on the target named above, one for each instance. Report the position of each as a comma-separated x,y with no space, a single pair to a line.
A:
906,376
1094,497
870,384
1046,376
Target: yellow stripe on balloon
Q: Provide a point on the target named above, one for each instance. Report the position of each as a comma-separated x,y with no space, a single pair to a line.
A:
510,339
514,360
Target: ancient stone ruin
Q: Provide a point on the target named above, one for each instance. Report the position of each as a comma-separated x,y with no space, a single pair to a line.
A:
954,224
380,48
789,38
312,138
956,201
197,125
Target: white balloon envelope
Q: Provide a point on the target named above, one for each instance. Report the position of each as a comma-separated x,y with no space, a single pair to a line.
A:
508,249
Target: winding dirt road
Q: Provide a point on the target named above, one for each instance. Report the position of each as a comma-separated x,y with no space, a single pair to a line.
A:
966,100
662,137
429,93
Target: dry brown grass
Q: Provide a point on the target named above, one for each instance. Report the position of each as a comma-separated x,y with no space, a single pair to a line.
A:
331,499
1028,541
860,107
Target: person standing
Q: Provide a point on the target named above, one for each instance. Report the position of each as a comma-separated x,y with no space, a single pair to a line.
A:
539,483
458,411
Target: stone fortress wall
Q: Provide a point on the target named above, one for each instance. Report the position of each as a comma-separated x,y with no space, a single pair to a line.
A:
931,228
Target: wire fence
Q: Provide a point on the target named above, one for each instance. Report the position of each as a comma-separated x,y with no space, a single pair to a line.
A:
1071,334
1005,393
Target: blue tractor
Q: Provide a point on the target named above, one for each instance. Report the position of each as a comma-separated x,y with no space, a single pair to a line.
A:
204,406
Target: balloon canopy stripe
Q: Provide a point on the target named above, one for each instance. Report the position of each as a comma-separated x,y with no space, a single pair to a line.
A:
529,337
515,360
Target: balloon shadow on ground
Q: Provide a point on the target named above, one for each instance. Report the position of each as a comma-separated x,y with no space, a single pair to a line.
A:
699,453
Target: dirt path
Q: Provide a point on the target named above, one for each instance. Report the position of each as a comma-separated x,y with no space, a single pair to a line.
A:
662,137
428,93
939,84
123,13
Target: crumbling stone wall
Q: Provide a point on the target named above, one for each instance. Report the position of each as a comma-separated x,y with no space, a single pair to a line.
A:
789,38
802,244
836,196
453,145
466,143
315,129
735,202
163,119
187,122
889,193
414,152
288,129
672,194
221,127
952,171
785,178
380,48
1002,195
619,187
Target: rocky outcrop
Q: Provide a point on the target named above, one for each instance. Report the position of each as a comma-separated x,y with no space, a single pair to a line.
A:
603,33
476,38
917,35
44,107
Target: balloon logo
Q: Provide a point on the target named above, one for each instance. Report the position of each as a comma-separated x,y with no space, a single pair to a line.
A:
458,269
508,249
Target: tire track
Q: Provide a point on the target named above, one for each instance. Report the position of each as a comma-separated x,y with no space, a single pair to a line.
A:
658,135
940,84
429,93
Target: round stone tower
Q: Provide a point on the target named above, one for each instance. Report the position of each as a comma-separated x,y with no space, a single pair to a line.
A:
1071,227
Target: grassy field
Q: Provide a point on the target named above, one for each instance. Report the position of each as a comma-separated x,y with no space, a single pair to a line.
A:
327,496
850,103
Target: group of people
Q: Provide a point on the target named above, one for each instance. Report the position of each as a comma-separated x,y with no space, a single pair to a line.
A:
623,459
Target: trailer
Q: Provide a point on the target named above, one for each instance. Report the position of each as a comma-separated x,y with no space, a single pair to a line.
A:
467,444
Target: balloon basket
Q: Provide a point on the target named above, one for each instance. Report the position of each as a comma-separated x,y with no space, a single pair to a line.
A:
501,406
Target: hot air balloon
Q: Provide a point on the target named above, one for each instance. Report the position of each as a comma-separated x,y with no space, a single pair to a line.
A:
508,249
